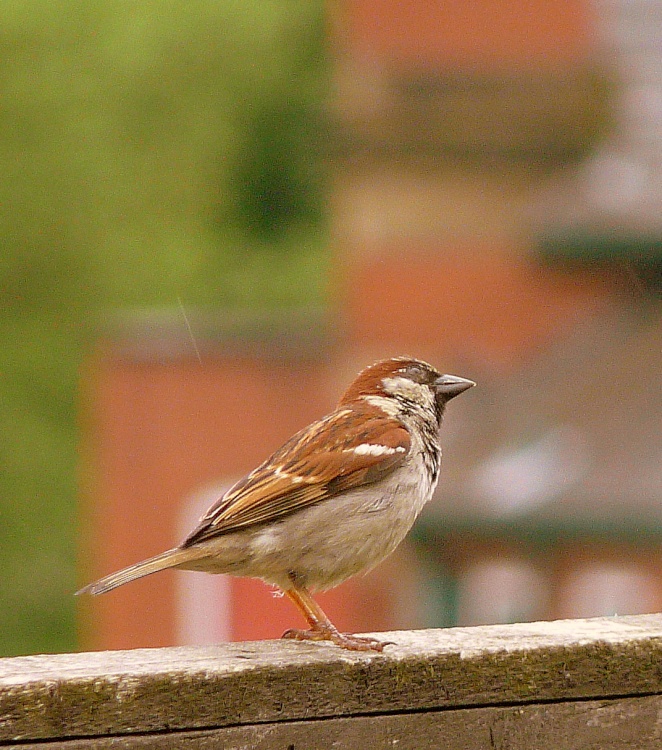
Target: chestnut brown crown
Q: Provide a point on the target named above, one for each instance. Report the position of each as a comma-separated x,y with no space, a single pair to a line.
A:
389,376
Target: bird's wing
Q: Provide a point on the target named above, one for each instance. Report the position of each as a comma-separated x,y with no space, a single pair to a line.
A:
335,454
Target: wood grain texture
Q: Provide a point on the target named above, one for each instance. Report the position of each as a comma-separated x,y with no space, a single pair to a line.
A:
447,688
618,724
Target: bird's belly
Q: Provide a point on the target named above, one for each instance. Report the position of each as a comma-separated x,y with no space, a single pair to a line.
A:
325,544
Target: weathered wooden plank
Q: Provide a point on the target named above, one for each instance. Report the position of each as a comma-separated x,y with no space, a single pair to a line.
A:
152,690
614,724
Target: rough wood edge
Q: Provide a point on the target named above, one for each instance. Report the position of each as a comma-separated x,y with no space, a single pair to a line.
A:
612,724
146,690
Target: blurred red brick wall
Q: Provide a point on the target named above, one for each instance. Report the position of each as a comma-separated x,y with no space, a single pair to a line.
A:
460,34
484,304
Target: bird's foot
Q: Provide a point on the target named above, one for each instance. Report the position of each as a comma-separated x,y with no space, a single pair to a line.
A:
348,641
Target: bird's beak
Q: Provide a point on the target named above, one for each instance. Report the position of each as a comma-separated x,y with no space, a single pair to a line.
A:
452,385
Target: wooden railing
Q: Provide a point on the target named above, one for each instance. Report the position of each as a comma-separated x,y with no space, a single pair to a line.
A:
552,685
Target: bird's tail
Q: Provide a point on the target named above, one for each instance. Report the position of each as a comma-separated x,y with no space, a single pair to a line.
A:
169,559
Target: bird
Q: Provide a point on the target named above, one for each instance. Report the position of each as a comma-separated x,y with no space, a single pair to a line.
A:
334,501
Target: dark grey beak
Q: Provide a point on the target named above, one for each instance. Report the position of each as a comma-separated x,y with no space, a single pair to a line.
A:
451,385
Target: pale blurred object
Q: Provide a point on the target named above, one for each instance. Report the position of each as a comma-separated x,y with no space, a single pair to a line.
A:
607,588
203,602
500,591
521,478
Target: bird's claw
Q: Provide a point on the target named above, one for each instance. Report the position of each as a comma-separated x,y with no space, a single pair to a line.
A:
347,641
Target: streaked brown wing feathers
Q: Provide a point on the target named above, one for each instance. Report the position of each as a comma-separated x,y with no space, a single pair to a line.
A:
318,462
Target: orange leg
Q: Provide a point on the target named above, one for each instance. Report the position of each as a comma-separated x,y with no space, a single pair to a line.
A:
321,628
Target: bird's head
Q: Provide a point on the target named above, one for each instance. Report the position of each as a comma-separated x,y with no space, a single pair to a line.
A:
407,381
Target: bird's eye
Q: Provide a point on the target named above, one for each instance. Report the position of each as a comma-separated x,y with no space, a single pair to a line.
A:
415,373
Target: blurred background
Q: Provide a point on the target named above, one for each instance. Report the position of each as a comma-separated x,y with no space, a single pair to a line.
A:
214,213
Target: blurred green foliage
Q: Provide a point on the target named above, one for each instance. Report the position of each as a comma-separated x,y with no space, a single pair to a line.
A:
149,150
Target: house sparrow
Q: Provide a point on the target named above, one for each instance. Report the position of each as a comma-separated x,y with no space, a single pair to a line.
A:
332,502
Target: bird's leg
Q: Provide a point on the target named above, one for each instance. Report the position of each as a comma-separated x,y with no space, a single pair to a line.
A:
321,628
